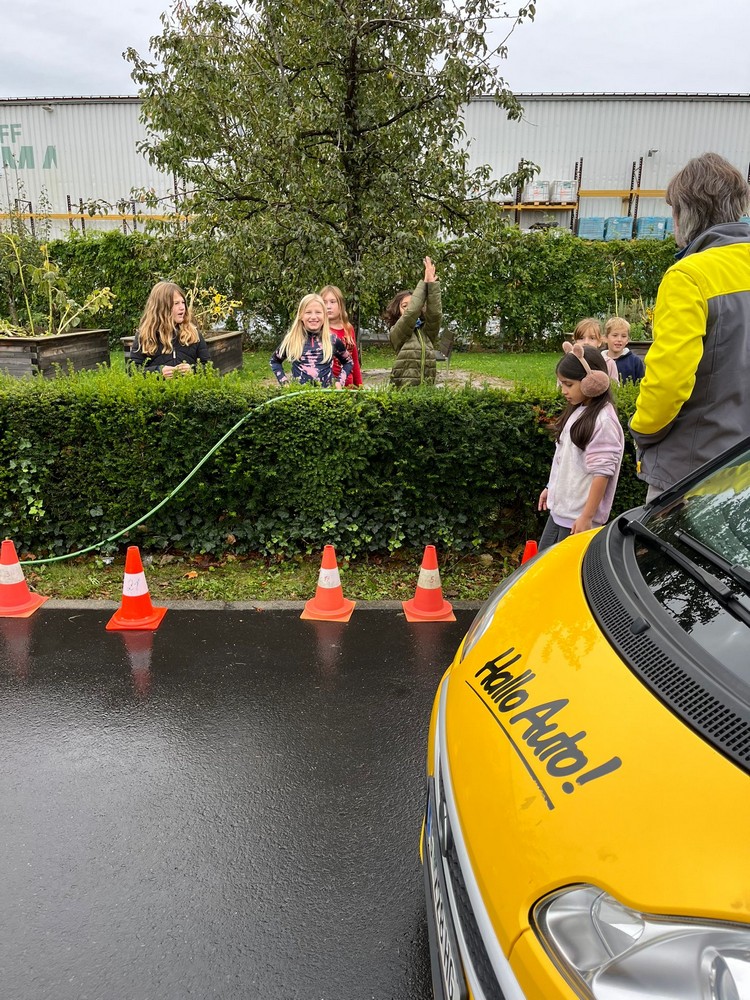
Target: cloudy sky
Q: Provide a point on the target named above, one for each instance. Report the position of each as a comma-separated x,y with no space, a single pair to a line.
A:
53,49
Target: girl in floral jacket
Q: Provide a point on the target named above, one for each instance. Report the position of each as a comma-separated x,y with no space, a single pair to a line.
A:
311,348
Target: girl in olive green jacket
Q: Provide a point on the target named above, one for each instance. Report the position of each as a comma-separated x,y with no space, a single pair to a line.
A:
414,322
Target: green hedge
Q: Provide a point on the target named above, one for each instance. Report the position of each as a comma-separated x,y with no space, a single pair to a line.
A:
538,284
83,456
130,264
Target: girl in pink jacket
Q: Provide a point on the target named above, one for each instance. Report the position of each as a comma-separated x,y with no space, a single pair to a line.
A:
588,452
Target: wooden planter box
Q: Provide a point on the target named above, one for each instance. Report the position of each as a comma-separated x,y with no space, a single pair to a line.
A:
21,356
224,349
639,347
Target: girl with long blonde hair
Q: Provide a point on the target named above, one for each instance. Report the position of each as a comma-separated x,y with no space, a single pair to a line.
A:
311,348
338,320
167,341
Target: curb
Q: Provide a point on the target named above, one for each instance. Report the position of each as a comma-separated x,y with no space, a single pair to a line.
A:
60,604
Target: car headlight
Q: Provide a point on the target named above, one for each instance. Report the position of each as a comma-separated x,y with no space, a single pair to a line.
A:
486,613
611,952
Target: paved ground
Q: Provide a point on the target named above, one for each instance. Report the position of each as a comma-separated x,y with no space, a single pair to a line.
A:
227,808
456,377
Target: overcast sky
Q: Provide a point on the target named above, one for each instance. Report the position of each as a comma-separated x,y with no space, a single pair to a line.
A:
53,49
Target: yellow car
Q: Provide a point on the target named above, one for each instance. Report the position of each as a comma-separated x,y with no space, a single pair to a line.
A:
587,830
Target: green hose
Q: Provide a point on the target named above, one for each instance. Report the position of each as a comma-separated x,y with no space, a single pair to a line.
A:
175,491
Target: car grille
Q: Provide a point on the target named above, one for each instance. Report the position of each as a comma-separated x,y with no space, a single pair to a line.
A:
478,956
681,685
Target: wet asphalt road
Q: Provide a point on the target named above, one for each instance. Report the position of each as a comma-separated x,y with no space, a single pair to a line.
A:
229,807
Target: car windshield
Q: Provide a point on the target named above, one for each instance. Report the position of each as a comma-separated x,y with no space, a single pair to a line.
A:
697,563
715,512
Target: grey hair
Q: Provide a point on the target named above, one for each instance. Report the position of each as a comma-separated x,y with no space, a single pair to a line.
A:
707,191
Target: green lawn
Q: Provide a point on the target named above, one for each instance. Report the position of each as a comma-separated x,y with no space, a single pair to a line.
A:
524,369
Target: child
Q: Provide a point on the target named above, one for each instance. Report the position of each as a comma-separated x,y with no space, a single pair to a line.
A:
167,341
588,452
617,335
338,321
413,320
588,332
311,347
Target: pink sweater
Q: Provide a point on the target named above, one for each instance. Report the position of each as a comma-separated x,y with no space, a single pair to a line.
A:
573,469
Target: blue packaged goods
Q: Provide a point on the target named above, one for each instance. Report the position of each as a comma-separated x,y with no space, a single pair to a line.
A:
618,227
650,227
591,228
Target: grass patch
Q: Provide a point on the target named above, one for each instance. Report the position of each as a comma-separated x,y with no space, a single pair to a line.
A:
464,578
529,370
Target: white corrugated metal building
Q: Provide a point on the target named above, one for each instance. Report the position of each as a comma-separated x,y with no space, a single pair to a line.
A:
613,143
623,148
74,151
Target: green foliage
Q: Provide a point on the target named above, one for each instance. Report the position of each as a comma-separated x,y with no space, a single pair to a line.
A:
537,285
131,264
321,135
82,457
39,299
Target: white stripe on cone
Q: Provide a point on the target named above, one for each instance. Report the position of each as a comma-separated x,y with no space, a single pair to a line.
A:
329,578
134,585
11,574
429,579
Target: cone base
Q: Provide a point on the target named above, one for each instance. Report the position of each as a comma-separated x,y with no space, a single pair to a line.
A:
415,614
313,613
26,609
118,623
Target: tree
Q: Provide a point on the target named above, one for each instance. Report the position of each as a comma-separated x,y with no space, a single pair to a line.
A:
323,138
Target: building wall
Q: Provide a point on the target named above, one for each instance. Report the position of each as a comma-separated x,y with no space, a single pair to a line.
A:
610,132
82,149
85,149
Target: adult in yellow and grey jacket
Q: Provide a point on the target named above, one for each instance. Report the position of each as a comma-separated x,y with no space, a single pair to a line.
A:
695,398
414,321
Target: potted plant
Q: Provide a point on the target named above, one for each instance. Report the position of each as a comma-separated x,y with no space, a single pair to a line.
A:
41,334
210,311
641,318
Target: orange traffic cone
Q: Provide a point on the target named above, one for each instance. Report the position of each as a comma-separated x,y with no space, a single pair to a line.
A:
16,600
529,551
428,605
329,603
136,610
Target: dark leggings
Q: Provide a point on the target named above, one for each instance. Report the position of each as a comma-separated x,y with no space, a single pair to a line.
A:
552,534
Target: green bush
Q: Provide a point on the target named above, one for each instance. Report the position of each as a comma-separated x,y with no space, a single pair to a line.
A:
130,264
537,284
84,456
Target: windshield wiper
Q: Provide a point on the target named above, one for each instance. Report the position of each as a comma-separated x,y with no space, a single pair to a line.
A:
718,590
738,573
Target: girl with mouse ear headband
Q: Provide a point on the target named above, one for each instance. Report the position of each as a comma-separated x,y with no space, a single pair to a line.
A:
588,450
594,383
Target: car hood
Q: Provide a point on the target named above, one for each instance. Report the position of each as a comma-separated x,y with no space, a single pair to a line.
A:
565,768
